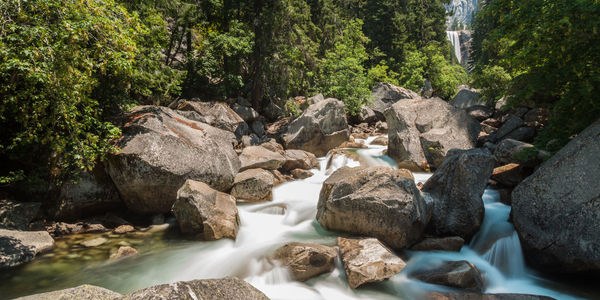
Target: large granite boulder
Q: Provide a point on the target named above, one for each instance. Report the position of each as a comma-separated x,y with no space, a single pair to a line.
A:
160,150
206,213
451,243
513,151
457,274
456,188
376,201
215,114
383,95
230,288
253,185
254,157
322,127
556,211
466,98
90,193
306,260
422,131
19,247
85,291
368,260
17,215
299,159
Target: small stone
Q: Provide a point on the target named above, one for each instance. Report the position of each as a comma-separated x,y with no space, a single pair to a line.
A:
94,242
124,251
301,174
124,229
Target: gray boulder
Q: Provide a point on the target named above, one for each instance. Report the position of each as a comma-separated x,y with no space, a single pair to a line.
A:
457,274
299,159
206,213
230,288
17,215
90,193
466,98
368,260
19,247
512,122
376,201
513,151
366,115
556,211
85,291
255,157
452,243
253,185
247,113
422,131
306,260
456,188
322,127
480,112
216,114
383,95
524,134
316,99
160,150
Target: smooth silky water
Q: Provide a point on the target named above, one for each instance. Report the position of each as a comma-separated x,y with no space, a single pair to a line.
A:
165,256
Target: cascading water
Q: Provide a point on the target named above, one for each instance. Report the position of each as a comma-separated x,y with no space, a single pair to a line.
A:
454,39
495,250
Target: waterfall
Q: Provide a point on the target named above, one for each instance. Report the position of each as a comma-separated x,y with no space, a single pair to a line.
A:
454,39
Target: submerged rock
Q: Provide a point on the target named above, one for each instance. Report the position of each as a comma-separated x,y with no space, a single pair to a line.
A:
19,247
322,127
124,251
160,150
253,185
556,211
456,188
458,274
306,260
205,212
422,131
230,288
94,242
376,201
85,291
368,260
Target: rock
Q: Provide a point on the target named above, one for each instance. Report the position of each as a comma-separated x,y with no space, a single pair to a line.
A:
368,260
93,242
456,188
512,151
124,251
160,150
322,127
255,157
453,243
458,274
427,90
301,174
273,146
466,98
123,229
480,112
253,185
381,127
230,288
94,228
536,117
272,111
258,127
422,131
216,114
85,291
477,296
353,145
247,113
62,228
299,159
316,99
17,215
495,123
366,115
205,212
508,175
376,201
90,193
385,95
19,247
306,260
381,140
512,122
523,134
250,140
556,210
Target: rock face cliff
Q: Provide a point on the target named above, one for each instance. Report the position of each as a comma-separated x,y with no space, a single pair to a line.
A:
464,11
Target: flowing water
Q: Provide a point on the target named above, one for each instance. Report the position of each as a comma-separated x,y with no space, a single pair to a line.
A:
167,257
452,36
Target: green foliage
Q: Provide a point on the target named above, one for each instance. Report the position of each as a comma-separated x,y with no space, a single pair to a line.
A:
342,72
63,64
381,73
495,80
546,53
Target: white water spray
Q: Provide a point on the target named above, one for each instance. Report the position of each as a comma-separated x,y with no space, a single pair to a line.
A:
454,39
